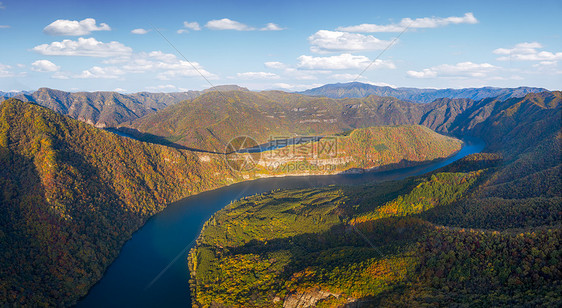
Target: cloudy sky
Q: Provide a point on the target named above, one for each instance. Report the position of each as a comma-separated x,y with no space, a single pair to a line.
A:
166,46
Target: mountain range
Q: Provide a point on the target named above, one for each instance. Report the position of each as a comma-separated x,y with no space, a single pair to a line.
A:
483,231
72,194
211,120
358,89
106,109
109,109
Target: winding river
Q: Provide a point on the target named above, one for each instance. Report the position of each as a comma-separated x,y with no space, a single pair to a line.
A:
151,270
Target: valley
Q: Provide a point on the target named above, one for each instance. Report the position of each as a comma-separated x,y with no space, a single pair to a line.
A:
280,154
75,194
440,237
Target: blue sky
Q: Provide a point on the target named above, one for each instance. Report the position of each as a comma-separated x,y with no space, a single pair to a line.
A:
289,45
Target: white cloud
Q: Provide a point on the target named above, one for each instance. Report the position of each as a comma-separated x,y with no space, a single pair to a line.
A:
306,74
166,66
101,73
227,24
257,75
330,41
271,27
162,66
341,62
462,69
44,66
275,65
95,72
295,87
192,25
346,76
161,88
418,23
527,52
61,75
2,6
89,47
139,31
5,71
189,26
381,84
548,63
119,90
5,26
426,73
74,27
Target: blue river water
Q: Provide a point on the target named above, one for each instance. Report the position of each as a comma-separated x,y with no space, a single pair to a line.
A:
151,269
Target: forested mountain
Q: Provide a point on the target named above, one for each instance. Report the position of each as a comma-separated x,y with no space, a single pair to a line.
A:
372,148
71,195
211,120
109,109
106,109
6,95
103,108
484,231
358,89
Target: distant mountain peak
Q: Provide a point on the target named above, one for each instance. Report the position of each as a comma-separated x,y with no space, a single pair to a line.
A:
226,87
358,89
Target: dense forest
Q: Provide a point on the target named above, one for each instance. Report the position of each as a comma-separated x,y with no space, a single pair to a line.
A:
484,231
379,147
72,194
211,120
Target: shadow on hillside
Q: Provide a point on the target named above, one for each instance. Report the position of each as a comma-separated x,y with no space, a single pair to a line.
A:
408,168
150,138
344,248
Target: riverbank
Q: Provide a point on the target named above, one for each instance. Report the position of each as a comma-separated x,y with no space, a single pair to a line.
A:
159,248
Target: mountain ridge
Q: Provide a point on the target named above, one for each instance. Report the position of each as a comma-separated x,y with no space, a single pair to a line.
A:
110,108
484,230
277,113
421,95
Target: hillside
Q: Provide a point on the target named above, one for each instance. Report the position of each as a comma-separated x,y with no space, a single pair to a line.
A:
484,231
103,108
372,148
357,89
210,121
108,109
71,195
378,245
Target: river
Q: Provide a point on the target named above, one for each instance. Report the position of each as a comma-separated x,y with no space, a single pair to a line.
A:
151,269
